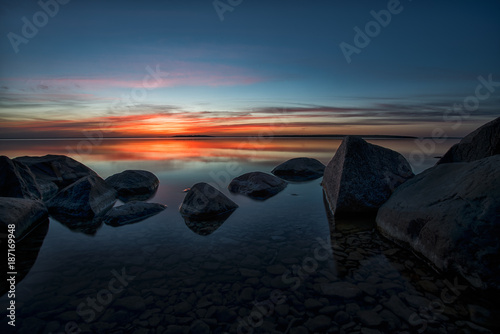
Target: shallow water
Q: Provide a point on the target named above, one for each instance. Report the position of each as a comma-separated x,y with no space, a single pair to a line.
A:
275,266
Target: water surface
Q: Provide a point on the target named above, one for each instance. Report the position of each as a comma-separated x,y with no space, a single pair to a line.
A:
277,266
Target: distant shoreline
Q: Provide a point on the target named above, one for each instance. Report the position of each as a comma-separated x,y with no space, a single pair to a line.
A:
233,137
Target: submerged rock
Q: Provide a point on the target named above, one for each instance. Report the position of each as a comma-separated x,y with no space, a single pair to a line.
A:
23,213
300,169
204,201
17,180
134,184
483,142
57,169
362,176
132,212
83,200
257,185
450,214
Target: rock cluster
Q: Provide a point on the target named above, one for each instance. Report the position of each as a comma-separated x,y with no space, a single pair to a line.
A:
450,212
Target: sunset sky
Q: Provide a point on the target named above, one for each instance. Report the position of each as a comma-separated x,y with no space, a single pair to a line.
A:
162,68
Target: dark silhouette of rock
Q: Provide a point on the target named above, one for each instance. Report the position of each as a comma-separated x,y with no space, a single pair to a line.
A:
16,180
26,252
204,201
483,142
23,213
257,185
206,226
83,200
132,185
362,176
300,169
132,212
451,215
55,169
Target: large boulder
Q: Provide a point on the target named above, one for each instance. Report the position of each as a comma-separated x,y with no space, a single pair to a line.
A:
132,212
58,170
83,200
257,185
299,169
134,184
362,176
23,213
451,215
204,201
483,142
16,180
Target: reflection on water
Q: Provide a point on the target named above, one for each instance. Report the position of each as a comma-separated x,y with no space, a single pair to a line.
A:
330,276
204,226
26,253
163,154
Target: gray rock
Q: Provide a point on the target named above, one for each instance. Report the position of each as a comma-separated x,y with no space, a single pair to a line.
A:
182,308
134,184
344,290
257,185
369,318
204,201
82,201
299,169
396,306
362,176
131,303
319,323
58,169
450,214
482,143
342,317
199,327
132,212
25,214
16,180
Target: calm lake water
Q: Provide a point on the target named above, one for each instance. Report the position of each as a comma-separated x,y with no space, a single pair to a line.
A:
275,266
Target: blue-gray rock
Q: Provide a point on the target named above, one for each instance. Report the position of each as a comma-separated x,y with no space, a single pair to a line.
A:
17,180
132,212
83,200
483,142
362,176
58,169
300,169
23,213
204,201
257,185
134,184
450,214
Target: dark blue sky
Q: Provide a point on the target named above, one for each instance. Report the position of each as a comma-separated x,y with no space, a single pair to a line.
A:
266,62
